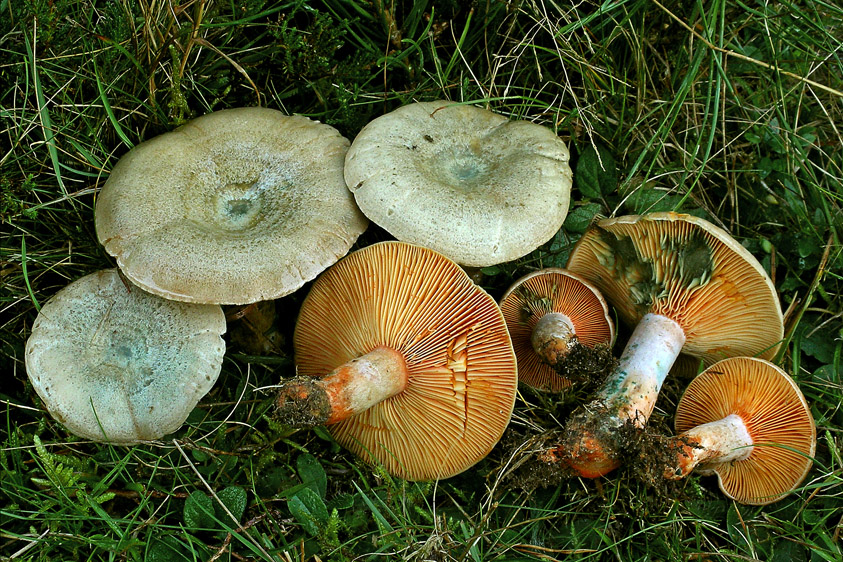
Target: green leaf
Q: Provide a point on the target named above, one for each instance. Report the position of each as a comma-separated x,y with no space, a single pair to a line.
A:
710,510
788,551
579,219
596,174
199,511
342,501
739,531
312,474
309,510
166,549
234,498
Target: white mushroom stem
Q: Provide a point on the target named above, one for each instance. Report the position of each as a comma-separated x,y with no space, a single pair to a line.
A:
590,446
631,390
361,383
717,442
348,390
553,337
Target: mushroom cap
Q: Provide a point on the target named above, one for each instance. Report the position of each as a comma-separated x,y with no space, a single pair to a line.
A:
119,365
553,290
689,270
776,415
462,180
234,207
461,367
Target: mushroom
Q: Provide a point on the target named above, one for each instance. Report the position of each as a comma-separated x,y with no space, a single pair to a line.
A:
119,365
548,313
745,420
406,359
685,285
234,207
462,180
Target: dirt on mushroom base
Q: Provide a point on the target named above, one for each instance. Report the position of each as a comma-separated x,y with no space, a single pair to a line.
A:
586,367
302,403
540,460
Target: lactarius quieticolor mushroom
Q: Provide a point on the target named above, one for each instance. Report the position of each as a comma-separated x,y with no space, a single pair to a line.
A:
746,421
237,206
548,313
119,365
408,361
462,180
685,285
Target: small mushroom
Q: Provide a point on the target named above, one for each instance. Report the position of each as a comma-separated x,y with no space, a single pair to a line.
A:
685,285
548,313
234,207
406,359
119,365
745,420
464,181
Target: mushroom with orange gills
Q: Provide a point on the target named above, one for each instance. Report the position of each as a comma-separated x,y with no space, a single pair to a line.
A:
686,285
405,359
745,420
549,313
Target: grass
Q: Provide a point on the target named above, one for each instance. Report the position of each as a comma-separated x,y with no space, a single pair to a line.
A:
730,110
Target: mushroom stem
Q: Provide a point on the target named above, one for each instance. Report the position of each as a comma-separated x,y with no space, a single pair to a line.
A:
717,442
553,336
590,446
631,390
351,388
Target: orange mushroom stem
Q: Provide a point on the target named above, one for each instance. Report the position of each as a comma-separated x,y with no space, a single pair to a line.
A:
350,389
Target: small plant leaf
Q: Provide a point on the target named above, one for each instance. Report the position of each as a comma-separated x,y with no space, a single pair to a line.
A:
788,551
309,510
166,549
596,173
740,534
312,474
234,498
579,219
341,501
199,511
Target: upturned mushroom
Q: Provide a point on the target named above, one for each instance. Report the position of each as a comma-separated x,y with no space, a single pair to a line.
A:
407,361
237,206
119,365
745,420
685,285
548,313
464,181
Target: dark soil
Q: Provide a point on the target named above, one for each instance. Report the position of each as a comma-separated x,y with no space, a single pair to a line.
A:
252,329
302,402
586,367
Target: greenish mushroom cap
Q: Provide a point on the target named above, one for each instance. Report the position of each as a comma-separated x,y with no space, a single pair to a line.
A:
461,180
234,207
116,364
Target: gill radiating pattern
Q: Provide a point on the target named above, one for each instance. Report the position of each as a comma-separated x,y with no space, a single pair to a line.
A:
776,415
641,265
543,292
451,333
